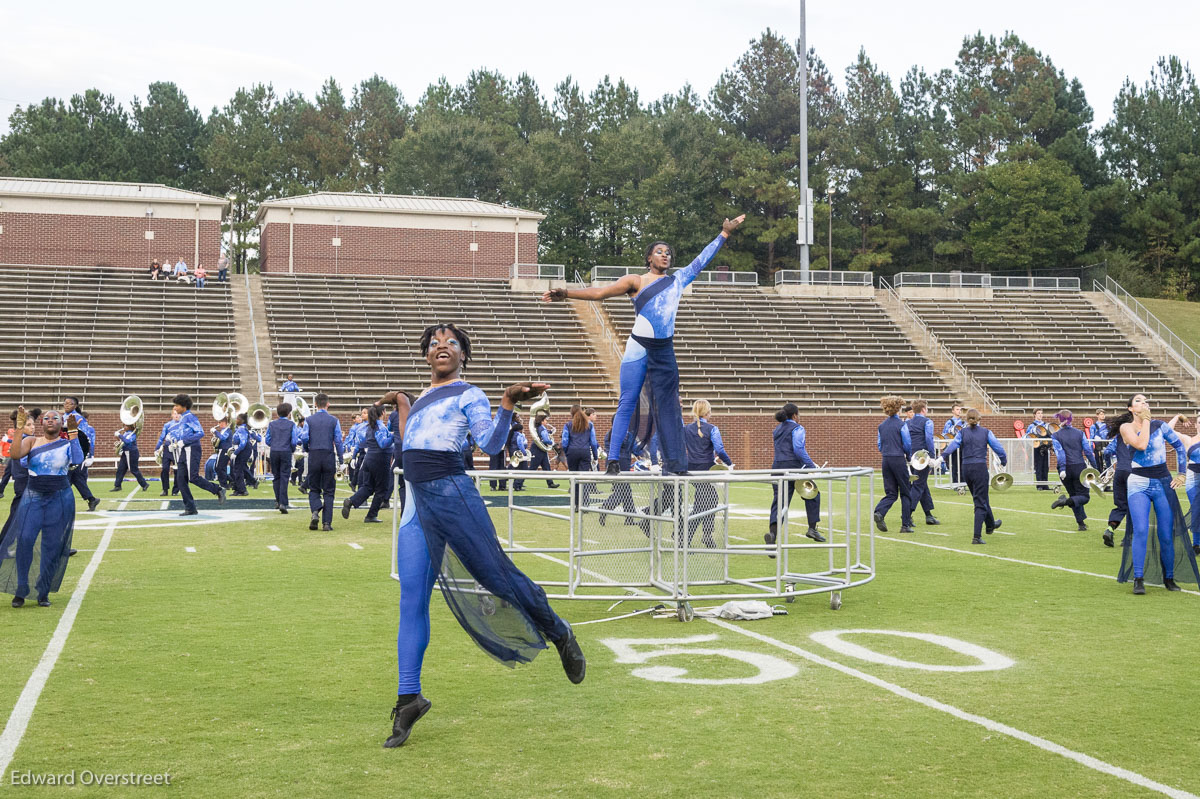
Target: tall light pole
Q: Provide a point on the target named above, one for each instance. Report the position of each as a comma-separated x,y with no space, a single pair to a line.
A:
806,213
829,256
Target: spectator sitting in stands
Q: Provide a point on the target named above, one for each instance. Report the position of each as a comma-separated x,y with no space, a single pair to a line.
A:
155,269
201,276
180,268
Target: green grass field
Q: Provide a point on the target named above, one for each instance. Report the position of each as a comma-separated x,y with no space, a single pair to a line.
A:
1181,317
244,671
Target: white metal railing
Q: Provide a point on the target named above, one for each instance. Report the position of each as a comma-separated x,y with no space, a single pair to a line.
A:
262,396
824,277
602,322
539,271
707,277
1183,354
931,339
1035,283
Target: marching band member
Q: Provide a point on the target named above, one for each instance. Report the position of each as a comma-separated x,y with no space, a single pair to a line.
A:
377,443
1150,487
650,351
224,445
1099,440
895,445
541,457
168,456
446,510
241,450
702,439
6,452
188,433
87,443
791,453
20,475
282,439
322,434
518,445
579,442
950,430
352,447
256,440
1118,449
397,461
975,441
920,430
128,460
622,493
46,511
1191,446
289,390
210,467
1070,452
468,453
1041,452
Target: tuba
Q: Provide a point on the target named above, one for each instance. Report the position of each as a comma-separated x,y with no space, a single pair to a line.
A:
259,416
301,411
132,412
220,407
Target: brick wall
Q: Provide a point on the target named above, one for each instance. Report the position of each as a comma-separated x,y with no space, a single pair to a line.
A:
78,240
392,251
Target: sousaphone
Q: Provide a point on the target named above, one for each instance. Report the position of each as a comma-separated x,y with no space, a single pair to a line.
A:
259,416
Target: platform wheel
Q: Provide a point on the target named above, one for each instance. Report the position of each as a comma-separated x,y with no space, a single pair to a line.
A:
684,611
788,588
835,600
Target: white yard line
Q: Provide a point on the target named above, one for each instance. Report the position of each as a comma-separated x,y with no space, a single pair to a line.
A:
22,712
272,547
353,545
995,726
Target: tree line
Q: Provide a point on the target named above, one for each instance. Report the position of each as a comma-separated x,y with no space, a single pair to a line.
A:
992,165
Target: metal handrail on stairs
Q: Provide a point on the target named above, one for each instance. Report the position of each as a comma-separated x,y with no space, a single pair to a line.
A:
600,320
1183,354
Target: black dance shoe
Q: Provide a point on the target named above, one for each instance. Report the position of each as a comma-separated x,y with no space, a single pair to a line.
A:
1139,587
372,520
931,521
820,539
1060,502
283,509
1108,537
71,552
18,602
111,490
770,537
907,528
879,524
403,719
1196,549
573,661
978,541
220,496
551,484
190,513
613,467
315,521
93,503
346,508
327,528
162,493
995,526
1082,527
1170,584
44,601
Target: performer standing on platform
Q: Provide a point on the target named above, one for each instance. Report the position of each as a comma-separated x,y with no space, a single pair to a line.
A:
650,351
920,430
1070,452
790,453
290,390
1151,488
322,434
188,433
446,527
975,440
377,466
895,445
46,511
950,430
127,461
1041,452
167,456
282,439
87,443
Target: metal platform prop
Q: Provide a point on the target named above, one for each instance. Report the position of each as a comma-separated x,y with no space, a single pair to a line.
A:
1020,466
683,539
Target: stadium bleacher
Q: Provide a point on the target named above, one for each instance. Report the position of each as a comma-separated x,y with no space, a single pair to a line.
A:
354,337
748,350
104,333
1048,349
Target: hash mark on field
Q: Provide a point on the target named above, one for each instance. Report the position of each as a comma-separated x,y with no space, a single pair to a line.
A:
738,537
164,505
353,545
931,532
591,541
189,549
272,547
1056,530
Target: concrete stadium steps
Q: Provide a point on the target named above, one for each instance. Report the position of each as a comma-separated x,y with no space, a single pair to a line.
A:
748,350
103,333
1050,350
355,337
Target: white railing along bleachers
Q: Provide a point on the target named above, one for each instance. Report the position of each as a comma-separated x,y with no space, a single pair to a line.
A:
978,280
539,271
709,276
1035,283
1183,353
824,277
601,321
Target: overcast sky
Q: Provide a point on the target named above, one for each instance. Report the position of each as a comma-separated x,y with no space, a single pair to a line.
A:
211,47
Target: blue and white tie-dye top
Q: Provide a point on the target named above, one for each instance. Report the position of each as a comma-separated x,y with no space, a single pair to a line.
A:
1155,453
48,464
657,303
441,418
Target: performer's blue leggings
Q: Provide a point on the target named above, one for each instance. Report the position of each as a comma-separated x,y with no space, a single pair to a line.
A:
656,361
1145,492
1193,494
52,516
450,511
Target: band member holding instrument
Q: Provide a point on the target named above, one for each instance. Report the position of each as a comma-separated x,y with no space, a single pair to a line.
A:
1070,452
166,455
223,444
790,453
650,351
950,430
321,433
975,441
127,460
352,448
187,434
1151,488
1099,439
920,430
241,451
87,443
543,433
377,443
1041,451
446,530
282,439
518,446
46,511
579,442
895,445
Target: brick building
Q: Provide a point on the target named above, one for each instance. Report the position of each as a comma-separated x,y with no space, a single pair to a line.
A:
384,234
97,223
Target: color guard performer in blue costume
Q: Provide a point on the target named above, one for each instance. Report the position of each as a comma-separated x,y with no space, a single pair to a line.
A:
376,484
1151,488
187,434
1099,436
20,475
580,445
920,430
282,439
127,460
975,440
1191,445
650,351
790,453
47,509
446,527
1120,451
1071,449
895,446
